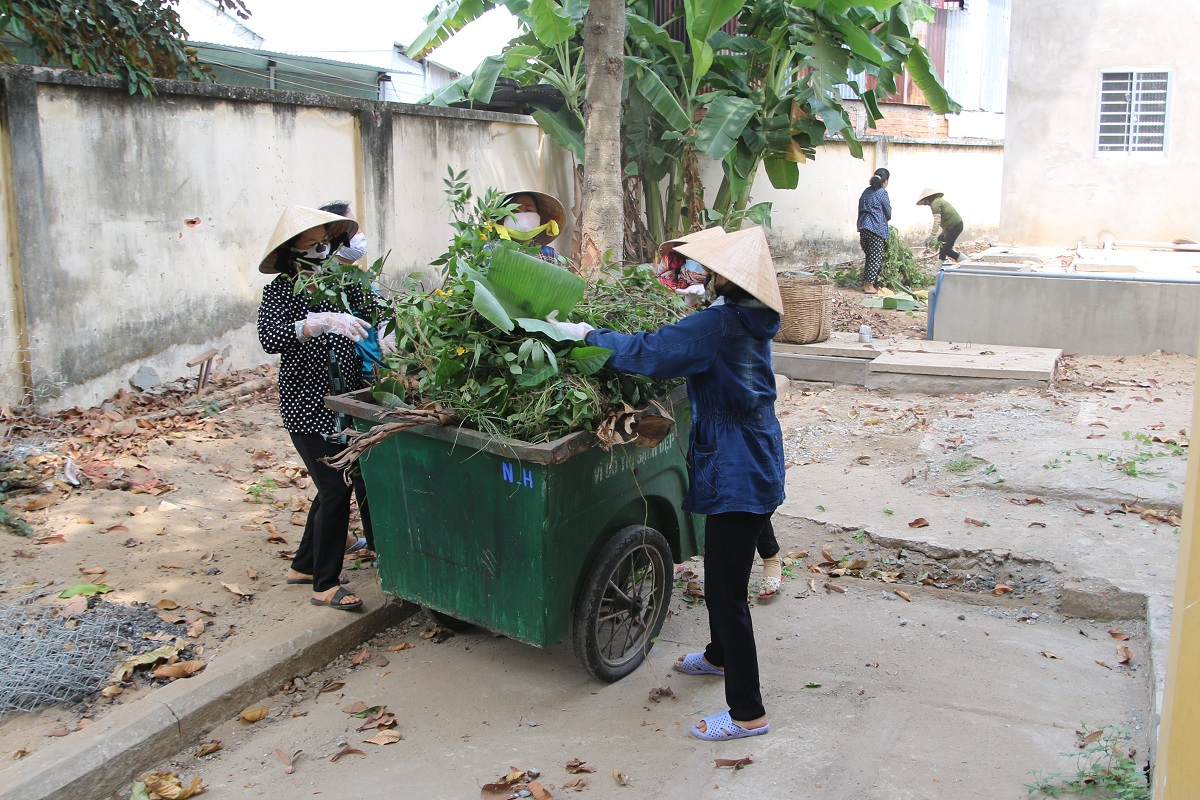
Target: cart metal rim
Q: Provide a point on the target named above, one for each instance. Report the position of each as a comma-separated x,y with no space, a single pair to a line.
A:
629,606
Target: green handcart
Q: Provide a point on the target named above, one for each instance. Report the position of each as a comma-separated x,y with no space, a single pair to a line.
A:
532,540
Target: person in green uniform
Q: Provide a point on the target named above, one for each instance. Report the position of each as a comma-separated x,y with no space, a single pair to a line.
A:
947,224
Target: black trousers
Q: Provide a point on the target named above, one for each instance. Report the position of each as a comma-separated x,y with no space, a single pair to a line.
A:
949,237
324,542
766,544
729,544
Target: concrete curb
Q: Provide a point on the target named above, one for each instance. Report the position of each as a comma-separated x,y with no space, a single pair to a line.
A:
133,739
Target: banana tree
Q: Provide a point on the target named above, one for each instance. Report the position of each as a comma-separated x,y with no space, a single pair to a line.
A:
767,95
788,59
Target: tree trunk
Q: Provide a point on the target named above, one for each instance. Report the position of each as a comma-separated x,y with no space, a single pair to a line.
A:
602,224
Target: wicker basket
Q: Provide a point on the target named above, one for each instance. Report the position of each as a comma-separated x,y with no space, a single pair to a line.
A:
807,308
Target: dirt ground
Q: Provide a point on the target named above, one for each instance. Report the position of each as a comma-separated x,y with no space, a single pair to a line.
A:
196,515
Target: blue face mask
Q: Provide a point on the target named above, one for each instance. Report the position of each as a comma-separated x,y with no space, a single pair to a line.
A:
691,265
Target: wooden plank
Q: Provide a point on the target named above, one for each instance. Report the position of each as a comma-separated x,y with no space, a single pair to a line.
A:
969,360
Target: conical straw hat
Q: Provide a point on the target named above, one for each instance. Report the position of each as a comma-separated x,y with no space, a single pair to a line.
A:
742,257
549,208
928,194
694,236
296,220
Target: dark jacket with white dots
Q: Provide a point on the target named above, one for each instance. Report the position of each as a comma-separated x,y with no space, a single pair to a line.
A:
304,379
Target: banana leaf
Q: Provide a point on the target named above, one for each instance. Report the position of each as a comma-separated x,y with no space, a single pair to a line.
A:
485,79
532,285
564,128
551,24
718,132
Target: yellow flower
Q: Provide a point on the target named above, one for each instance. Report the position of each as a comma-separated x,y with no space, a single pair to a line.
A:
438,293
460,351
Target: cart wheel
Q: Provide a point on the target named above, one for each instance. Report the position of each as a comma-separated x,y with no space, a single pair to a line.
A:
623,603
453,623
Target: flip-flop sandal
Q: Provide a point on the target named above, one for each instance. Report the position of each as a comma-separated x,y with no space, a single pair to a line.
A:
335,601
720,727
359,544
694,664
770,588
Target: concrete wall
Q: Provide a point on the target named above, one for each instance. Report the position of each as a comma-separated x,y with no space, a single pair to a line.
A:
1101,316
101,273
1057,189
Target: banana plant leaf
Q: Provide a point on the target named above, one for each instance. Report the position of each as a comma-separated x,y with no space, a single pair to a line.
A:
564,128
552,25
485,79
718,132
532,285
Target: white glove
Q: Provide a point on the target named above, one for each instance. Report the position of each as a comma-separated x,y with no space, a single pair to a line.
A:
576,330
348,325
696,290
387,344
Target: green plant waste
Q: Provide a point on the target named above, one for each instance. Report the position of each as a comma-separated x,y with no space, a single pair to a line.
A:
479,347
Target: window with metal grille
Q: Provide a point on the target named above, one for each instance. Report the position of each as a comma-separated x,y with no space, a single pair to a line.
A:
1133,112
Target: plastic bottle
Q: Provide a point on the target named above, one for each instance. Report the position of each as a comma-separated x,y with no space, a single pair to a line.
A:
864,333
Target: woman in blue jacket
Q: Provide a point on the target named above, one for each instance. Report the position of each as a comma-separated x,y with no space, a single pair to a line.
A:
874,212
735,453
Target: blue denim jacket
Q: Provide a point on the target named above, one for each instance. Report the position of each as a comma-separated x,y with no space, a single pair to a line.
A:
735,455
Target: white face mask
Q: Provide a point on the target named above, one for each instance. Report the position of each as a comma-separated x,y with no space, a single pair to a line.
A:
523,221
317,252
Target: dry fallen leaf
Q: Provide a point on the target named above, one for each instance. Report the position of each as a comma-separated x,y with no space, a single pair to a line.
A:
75,607
347,751
331,686
1001,588
976,522
287,761
939,492
137,511
495,791
402,646
357,707
181,669
252,574
1116,634
196,629
576,783
575,766
622,780
385,737
93,570
539,792
1124,654
169,786
111,528
736,763
661,692
208,748
111,691
360,657
19,754
36,503
255,713
1048,654
51,538
903,595
919,522
236,590
833,587
58,732
166,605
1084,511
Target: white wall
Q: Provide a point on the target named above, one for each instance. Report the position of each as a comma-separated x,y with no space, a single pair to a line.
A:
1057,189
115,279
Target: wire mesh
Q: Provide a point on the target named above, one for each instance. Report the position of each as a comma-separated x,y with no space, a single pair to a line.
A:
48,660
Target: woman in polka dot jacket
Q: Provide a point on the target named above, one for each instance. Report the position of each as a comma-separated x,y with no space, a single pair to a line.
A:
306,336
